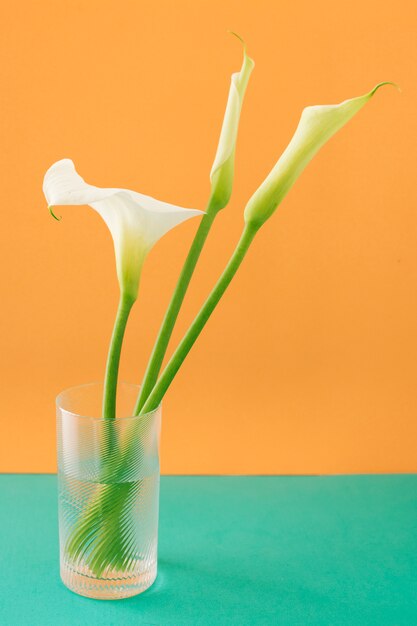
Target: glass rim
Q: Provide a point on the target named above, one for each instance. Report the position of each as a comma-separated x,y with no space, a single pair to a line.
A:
59,406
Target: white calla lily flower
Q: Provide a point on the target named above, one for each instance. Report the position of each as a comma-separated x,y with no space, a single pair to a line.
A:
222,172
316,126
135,221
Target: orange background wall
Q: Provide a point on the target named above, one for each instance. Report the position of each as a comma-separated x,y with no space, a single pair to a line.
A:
309,364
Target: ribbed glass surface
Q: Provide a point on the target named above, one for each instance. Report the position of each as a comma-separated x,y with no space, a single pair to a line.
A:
108,476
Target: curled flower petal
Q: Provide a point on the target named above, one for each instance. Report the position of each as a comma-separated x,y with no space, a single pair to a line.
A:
221,175
135,221
317,125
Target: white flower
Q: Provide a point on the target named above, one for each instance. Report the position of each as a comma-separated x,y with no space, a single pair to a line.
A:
221,175
317,125
135,221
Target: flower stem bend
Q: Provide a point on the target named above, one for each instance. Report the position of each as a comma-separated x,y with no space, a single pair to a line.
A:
157,393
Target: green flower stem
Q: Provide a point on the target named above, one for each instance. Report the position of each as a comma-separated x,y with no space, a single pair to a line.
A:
167,326
95,537
113,359
197,326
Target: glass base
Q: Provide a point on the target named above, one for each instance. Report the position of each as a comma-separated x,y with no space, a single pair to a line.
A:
115,586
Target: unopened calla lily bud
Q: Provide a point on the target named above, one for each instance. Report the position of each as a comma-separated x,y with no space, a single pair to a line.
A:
135,221
221,175
316,126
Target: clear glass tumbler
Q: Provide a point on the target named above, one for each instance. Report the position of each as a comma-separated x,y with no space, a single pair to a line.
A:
108,492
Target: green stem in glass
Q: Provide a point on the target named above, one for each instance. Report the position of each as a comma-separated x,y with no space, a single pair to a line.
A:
158,392
168,323
113,359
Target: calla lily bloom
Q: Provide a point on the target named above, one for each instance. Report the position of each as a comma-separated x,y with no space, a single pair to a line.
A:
135,221
221,175
317,125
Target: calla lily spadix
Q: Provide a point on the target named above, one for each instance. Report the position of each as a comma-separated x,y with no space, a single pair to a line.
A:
135,221
317,125
221,175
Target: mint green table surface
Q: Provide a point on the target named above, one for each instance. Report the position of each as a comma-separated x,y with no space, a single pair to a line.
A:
235,551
